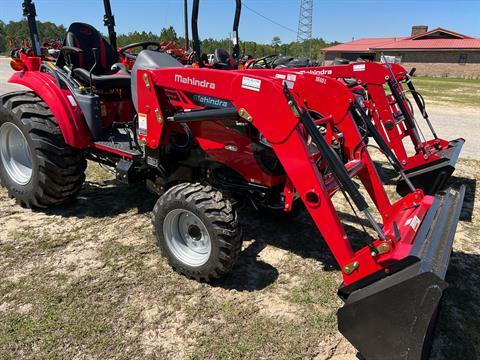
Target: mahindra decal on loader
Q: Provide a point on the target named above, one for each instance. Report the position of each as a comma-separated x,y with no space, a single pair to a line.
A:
272,145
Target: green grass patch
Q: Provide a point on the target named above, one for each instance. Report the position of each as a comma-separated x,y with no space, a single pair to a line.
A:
458,91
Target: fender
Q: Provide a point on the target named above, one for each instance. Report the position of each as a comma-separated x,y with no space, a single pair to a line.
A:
67,113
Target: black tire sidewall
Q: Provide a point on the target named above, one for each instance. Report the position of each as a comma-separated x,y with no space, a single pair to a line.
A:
197,271
21,192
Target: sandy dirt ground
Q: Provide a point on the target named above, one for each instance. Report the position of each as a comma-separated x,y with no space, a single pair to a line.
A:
86,281
453,122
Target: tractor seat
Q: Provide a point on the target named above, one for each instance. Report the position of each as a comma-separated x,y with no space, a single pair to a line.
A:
299,62
282,62
105,75
223,60
340,61
119,79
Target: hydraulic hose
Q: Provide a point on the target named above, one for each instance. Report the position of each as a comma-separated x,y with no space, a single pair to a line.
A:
392,159
421,105
408,119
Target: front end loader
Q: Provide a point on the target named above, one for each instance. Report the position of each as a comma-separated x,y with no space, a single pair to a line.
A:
392,285
205,140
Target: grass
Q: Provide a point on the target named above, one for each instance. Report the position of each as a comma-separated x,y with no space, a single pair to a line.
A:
457,91
87,281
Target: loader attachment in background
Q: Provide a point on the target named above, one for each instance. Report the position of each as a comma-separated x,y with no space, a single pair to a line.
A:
433,176
434,160
393,317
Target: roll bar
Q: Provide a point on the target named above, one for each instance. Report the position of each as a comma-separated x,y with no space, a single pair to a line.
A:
30,13
109,22
196,38
185,15
236,24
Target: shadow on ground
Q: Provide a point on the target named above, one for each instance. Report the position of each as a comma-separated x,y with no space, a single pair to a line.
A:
457,335
107,199
469,201
299,236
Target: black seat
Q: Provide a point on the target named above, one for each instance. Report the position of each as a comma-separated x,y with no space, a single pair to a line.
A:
85,37
340,61
223,60
282,61
299,62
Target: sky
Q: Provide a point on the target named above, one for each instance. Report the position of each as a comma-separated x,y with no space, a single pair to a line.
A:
339,20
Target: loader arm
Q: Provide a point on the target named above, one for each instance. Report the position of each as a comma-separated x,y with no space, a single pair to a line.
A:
263,100
317,91
392,114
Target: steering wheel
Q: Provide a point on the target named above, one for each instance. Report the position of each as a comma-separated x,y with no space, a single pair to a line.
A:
266,63
144,45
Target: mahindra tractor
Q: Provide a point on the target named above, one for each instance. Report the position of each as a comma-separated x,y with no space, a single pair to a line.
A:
204,140
382,89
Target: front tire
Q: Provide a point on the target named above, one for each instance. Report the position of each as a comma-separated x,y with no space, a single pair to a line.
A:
197,230
36,166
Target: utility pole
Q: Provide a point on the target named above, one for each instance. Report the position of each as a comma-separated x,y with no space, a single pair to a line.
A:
305,22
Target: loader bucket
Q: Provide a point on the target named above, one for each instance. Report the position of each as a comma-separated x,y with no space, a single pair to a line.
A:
433,177
393,317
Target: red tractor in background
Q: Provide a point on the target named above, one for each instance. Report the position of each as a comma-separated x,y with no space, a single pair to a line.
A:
392,113
204,140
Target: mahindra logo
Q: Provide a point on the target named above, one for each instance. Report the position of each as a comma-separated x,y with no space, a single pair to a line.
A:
195,82
320,72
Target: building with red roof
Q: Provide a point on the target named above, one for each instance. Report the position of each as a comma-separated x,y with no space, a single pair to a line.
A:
439,52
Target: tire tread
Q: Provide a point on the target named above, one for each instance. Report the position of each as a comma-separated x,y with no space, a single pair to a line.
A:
222,216
61,167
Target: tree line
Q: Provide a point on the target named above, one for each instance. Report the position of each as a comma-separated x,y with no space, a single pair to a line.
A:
15,33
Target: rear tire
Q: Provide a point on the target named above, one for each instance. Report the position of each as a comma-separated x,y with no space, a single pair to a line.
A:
197,230
51,172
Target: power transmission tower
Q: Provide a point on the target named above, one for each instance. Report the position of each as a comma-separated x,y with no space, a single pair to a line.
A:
305,21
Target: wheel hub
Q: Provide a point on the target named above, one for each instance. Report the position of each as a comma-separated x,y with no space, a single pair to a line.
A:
187,237
15,154
195,233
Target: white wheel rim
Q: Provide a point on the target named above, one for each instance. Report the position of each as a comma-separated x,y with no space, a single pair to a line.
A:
15,154
187,237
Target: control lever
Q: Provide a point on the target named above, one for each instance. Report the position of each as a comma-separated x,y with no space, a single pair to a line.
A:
96,55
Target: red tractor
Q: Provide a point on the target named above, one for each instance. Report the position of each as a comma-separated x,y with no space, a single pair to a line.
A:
204,140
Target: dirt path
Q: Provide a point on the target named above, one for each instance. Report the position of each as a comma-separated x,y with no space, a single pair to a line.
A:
5,72
452,122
